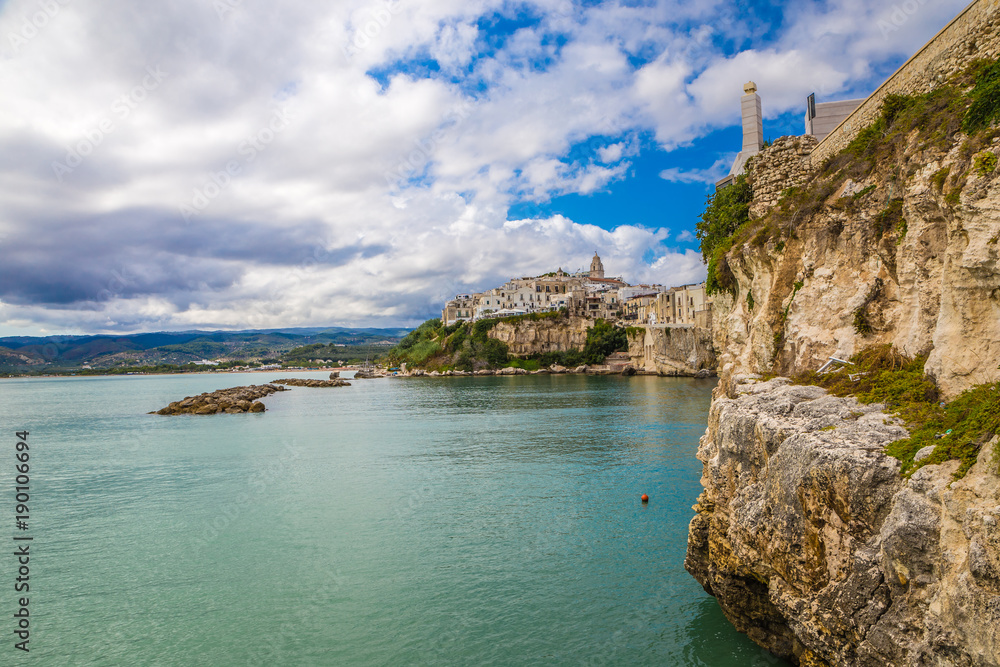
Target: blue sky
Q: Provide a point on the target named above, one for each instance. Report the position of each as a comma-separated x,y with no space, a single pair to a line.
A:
245,164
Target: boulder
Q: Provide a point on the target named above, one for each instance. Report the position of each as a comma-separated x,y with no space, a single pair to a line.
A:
580,369
556,368
334,375
236,400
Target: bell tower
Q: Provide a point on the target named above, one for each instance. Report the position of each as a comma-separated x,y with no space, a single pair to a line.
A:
596,267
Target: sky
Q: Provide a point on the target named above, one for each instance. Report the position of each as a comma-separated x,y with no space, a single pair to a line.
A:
241,164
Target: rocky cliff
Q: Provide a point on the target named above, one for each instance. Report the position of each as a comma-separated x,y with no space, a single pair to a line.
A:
817,548
526,336
878,259
808,534
675,351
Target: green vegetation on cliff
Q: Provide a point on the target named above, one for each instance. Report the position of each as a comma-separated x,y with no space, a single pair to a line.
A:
893,147
467,346
957,430
726,211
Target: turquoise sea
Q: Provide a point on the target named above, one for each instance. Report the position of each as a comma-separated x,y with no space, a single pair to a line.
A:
464,521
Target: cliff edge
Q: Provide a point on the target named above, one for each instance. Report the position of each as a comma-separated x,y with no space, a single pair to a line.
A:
821,552
818,544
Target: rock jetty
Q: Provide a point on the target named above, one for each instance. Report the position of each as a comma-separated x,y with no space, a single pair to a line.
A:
317,384
237,400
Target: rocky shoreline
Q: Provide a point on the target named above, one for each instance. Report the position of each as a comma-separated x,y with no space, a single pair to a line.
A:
627,371
236,400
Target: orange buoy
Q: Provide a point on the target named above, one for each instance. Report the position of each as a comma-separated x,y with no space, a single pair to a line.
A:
645,498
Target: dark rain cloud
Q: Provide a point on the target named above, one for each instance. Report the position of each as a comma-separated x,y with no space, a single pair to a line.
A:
143,252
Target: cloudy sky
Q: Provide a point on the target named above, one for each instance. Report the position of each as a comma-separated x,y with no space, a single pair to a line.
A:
230,164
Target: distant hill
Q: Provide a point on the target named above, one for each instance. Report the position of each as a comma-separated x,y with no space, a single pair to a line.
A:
19,354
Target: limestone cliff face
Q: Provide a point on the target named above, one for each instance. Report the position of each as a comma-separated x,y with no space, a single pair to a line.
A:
807,534
820,551
525,337
928,285
672,351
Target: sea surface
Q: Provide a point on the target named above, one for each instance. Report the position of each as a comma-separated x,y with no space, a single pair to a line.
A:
464,521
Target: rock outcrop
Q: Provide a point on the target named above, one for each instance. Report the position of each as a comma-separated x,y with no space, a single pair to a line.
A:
237,400
316,384
817,548
930,284
672,351
526,337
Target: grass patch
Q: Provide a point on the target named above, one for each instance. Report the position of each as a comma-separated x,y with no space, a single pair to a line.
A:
884,375
985,96
939,177
953,198
859,195
985,164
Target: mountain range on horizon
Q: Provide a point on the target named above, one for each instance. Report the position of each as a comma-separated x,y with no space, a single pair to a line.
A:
19,354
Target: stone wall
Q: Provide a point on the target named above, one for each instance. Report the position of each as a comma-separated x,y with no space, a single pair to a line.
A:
973,34
780,166
672,350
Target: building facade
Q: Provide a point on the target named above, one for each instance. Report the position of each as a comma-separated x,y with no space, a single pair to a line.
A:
588,294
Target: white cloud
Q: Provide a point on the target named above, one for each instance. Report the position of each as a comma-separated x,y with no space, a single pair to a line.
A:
709,176
388,188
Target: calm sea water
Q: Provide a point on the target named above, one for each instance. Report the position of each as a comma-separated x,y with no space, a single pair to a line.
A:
487,521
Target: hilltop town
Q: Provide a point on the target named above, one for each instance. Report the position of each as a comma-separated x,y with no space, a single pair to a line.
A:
586,294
